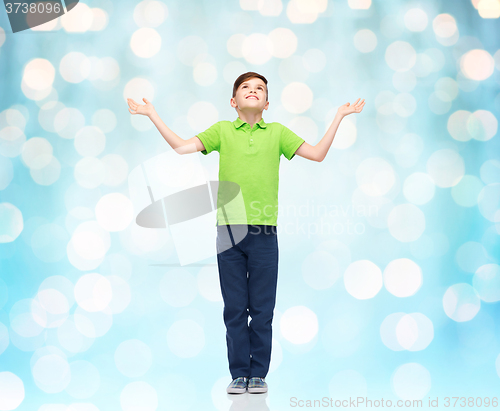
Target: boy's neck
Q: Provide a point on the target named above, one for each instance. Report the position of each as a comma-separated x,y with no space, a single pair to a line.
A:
250,118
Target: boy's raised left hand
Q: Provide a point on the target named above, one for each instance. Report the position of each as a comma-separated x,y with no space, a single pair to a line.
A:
347,109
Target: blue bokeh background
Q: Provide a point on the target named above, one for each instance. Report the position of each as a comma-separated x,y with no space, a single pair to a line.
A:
399,300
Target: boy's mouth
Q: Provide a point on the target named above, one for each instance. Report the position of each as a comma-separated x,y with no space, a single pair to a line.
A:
252,96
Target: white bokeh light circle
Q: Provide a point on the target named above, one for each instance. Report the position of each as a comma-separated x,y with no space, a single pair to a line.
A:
488,202
90,241
276,355
482,125
363,279
11,391
114,212
375,176
297,97
400,56
37,152
47,175
365,40
4,338
461,302
406,222
6,172
486,282
65,121
209,284
51,308
299,324
388,331
205,74
139,395
416,19
21,319
93,324
201,115
11,222
419,188
150,13
93,292
402,277
12,140
465,193
39,74
89,141
121,293
145,42
75,67
414,332
411,381
138,88
349,133
80,22
477,64
446,167
116,169
257,48
305,12
284,42
105,120
89,172
51,373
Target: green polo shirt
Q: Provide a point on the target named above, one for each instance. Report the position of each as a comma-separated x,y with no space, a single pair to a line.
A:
249,168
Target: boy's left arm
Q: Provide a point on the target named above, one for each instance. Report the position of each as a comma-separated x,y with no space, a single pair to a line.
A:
318,152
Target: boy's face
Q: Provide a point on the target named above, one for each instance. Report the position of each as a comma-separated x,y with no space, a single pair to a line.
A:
250,96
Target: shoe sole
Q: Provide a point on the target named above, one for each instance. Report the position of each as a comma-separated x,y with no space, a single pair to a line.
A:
236,390
257,390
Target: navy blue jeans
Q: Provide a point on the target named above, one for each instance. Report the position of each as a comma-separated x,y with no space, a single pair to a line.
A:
247,256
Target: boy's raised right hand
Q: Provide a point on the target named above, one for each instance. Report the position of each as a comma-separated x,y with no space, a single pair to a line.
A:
145,109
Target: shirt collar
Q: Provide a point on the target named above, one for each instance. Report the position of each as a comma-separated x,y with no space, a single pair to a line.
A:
239,122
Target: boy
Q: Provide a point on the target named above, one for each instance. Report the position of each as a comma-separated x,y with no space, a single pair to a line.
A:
247,245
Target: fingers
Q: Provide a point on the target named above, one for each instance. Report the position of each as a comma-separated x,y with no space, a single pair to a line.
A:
132,102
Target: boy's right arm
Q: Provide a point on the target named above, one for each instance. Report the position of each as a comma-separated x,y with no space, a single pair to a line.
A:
180,145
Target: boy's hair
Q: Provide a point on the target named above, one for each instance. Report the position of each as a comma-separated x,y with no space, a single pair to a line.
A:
245,77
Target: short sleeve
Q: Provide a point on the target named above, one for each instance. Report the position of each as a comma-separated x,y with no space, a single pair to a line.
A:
289,142
210,138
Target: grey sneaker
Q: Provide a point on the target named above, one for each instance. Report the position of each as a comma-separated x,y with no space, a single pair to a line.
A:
237,386
257,385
